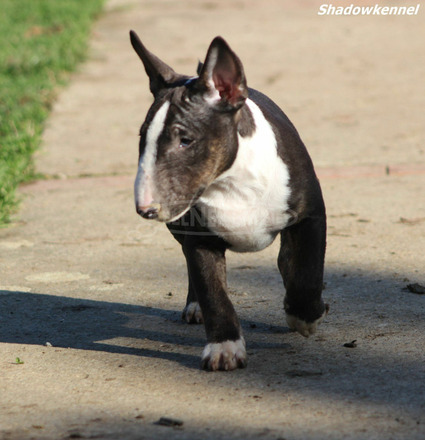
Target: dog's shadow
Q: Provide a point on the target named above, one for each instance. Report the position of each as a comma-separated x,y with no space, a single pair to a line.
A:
40,319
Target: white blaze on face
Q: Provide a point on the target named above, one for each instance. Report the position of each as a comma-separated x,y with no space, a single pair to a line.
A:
143,186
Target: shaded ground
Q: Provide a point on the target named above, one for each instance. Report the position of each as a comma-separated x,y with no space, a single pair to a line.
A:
104,290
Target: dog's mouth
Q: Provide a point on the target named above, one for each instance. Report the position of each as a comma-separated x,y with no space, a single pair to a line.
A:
176,217
167,217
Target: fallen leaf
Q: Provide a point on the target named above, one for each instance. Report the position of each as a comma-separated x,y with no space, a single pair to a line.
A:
168,421
415,288
411,221
351,344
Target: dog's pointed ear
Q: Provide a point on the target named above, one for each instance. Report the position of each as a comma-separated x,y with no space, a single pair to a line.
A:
222,76
159,73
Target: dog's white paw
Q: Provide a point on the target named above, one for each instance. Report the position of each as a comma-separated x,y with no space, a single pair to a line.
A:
304,328
192,314
227,355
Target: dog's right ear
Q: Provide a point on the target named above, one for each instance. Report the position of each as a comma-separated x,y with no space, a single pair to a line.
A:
160,74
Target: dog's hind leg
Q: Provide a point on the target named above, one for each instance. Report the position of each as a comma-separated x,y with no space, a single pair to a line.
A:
192,313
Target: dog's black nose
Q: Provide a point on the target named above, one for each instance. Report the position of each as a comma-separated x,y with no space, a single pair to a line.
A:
148,212
151,213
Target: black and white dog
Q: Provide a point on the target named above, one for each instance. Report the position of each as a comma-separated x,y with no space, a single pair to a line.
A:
224,168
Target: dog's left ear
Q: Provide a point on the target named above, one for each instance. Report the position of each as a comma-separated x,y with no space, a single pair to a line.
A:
199,68
221,77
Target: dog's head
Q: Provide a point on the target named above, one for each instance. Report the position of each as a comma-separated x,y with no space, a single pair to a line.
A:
189,136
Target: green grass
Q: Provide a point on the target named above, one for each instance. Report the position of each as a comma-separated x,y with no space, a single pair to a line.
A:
41,42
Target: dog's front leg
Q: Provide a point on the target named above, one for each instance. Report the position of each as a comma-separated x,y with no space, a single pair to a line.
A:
301,263
207,273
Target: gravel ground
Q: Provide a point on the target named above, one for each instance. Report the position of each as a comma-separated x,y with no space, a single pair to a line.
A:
91,340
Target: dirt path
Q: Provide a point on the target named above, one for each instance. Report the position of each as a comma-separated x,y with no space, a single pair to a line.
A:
90,295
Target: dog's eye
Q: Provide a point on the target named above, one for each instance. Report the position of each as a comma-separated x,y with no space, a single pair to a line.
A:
185,142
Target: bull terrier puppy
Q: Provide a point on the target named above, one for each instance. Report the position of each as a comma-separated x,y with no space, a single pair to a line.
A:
224,168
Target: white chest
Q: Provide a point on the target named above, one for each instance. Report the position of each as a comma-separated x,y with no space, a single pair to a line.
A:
248,204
